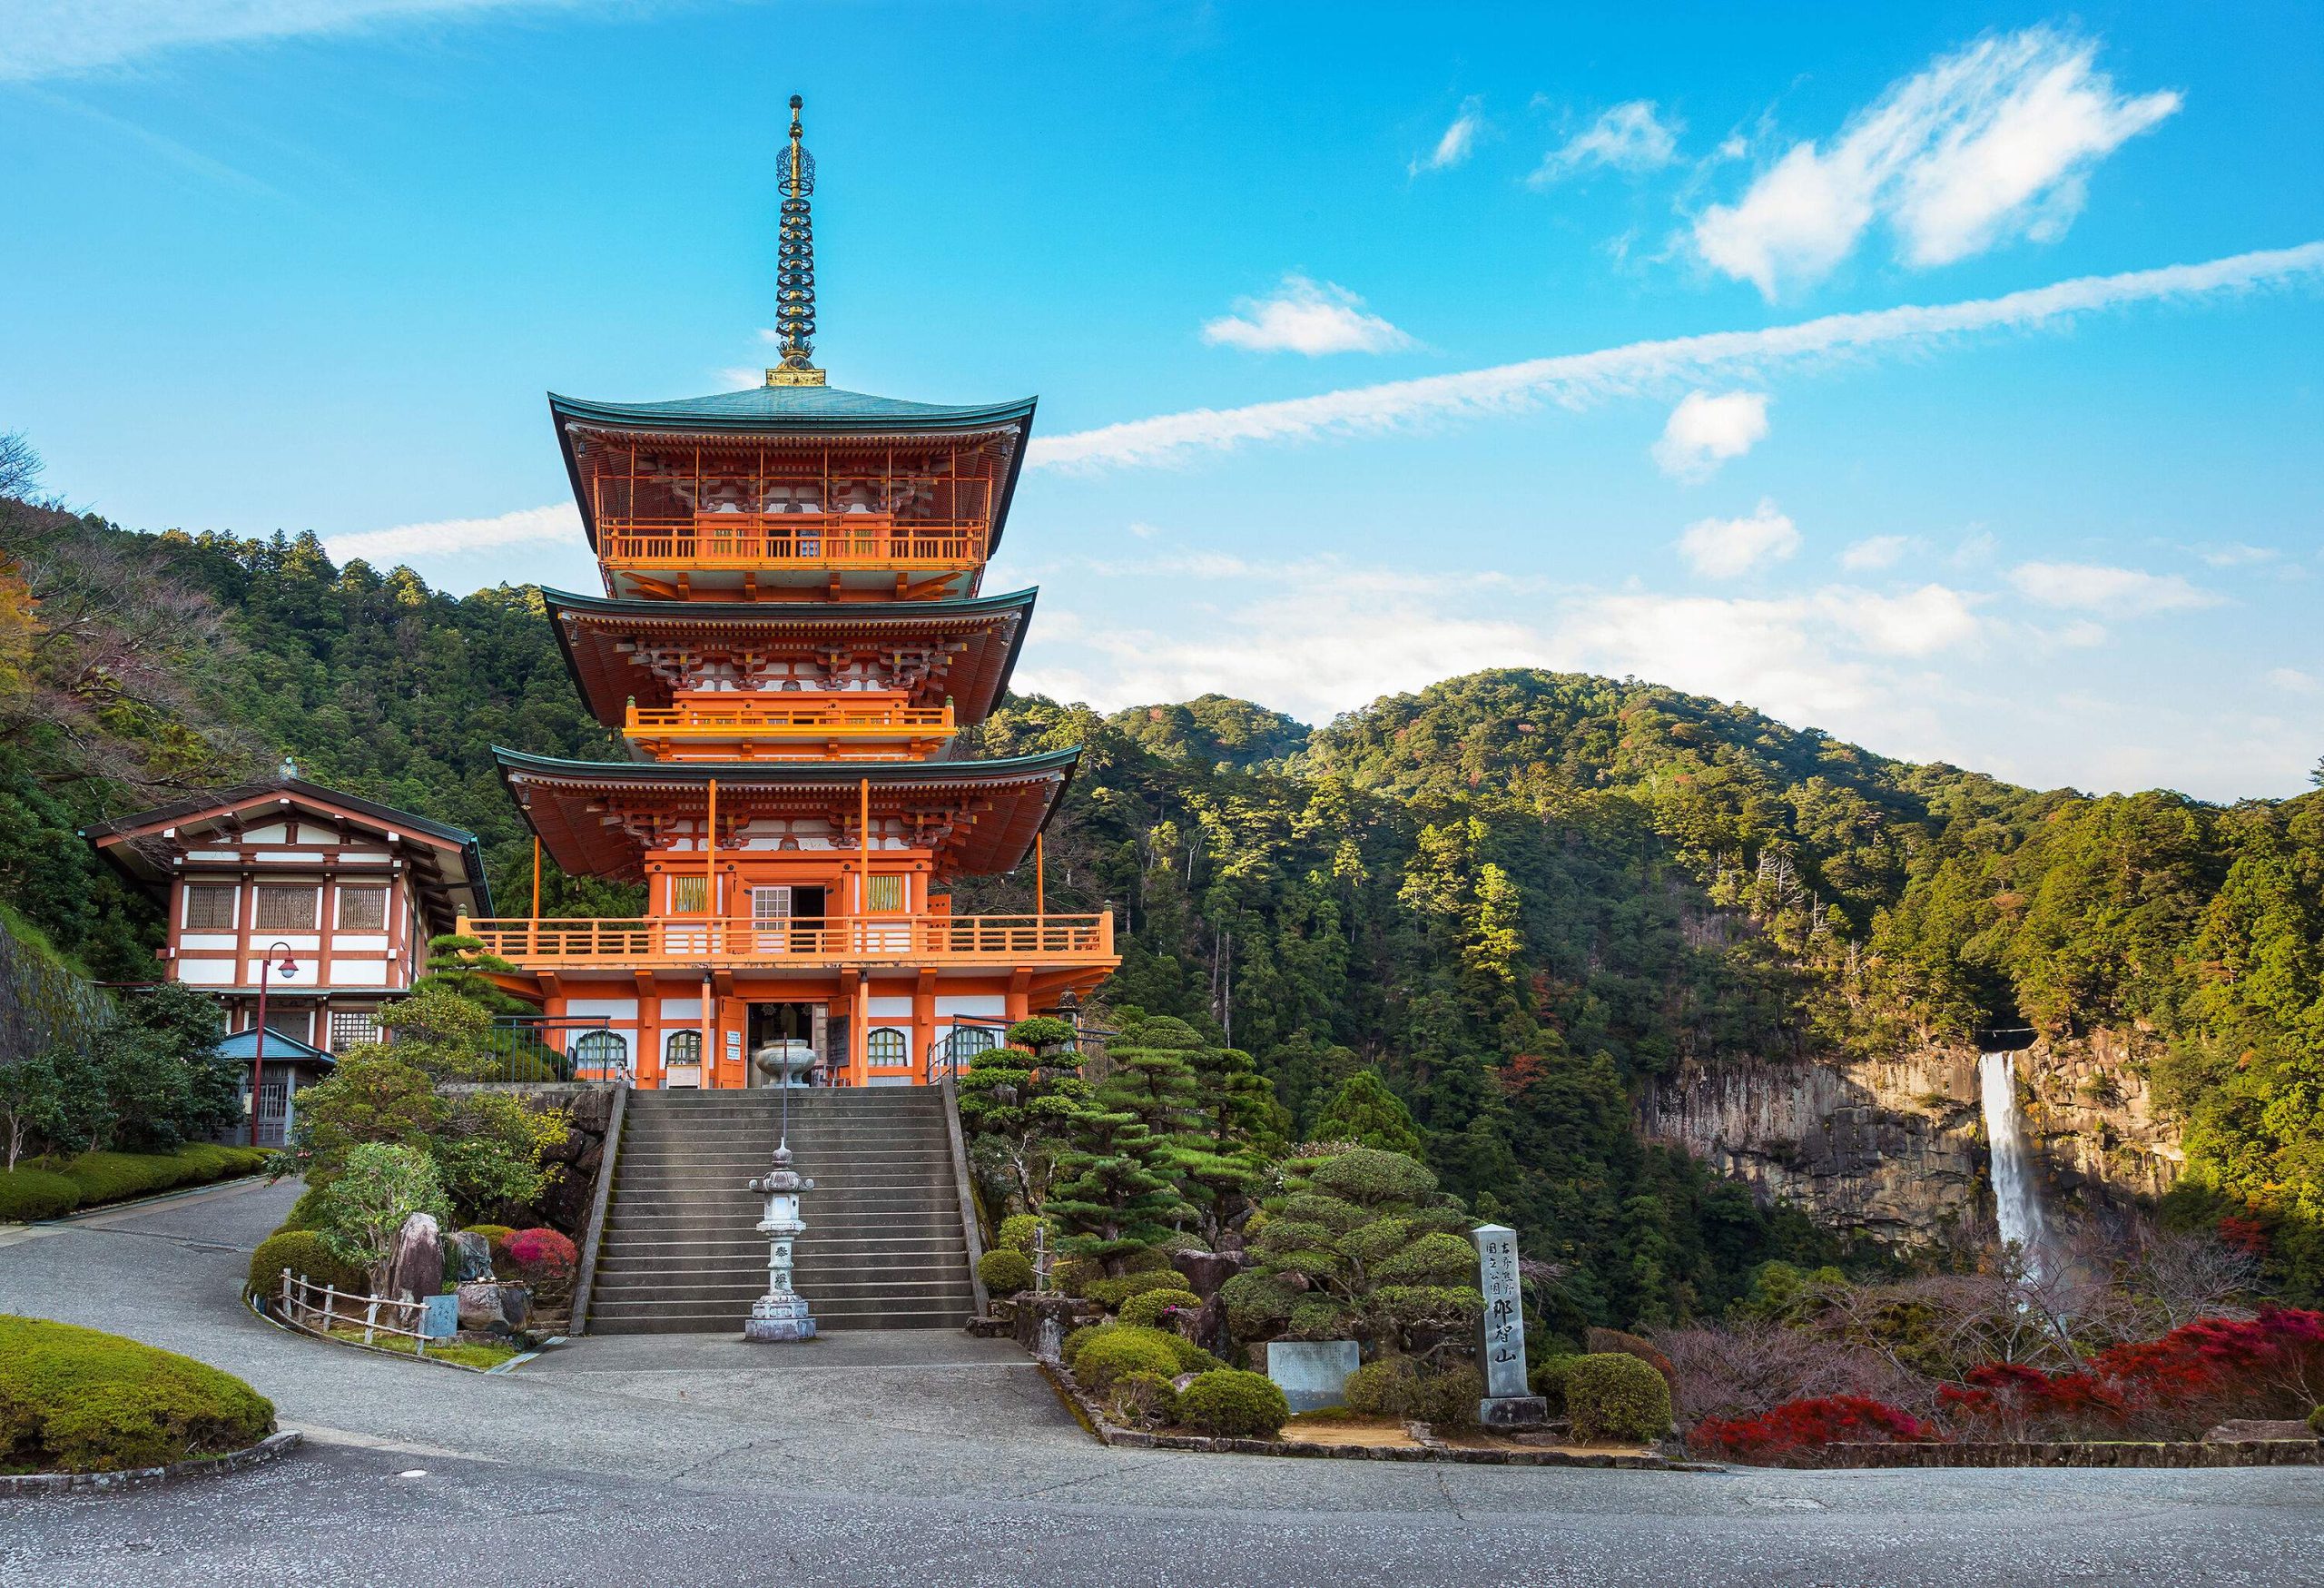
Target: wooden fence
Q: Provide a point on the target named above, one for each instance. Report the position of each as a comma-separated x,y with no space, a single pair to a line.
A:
319,1308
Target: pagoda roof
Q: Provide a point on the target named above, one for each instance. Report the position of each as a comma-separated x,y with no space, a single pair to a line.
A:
593,629
1002,805
447,862
808,410
795,412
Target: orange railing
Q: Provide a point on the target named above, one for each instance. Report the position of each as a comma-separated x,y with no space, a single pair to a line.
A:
563,943
770,720
797,540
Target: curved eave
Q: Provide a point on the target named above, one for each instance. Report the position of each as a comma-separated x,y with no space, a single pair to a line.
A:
889,418
607,690
566,787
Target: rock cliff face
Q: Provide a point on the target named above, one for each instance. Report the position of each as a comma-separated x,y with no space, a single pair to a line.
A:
1895,1146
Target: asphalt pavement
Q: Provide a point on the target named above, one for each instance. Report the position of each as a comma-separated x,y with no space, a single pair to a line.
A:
926,1457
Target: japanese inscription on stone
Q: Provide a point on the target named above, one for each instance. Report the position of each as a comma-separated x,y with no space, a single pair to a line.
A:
1502,1349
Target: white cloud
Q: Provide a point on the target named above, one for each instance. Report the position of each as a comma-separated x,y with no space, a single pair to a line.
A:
1305,317
1459,142
1874,552
1989,144
527,526
2238,555
2118,592
53,38
1919,623
1727,548
2292,681
1703,431
1576,380
1629,137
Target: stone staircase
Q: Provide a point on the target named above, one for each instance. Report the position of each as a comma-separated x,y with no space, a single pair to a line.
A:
884,1246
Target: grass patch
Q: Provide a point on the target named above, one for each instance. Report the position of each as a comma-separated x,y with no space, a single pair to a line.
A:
460,1353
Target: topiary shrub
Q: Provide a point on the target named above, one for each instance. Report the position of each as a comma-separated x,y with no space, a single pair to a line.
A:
302,1252
1070,1347
1115,1349
1074,1276
114,1177
1112,1293
1230,1403
1612,1397
1017,1231
26,1194
75,1400
1385,1388
1152,1308
1645,1350
1142,1400
1548,1380
1005,1271
1447,1400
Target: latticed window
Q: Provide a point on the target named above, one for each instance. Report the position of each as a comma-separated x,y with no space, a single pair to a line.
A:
210,906
362,910
689,895
351,1028
285,909
602,1055
887,894
683,1048
968,1041
888,1048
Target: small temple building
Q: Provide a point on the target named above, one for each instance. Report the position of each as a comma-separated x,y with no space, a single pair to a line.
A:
311,904
335,895
793,635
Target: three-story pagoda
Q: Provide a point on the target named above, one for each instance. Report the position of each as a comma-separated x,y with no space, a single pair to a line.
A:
791,636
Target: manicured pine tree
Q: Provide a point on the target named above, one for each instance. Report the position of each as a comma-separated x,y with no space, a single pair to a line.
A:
1113,1190
1364,1111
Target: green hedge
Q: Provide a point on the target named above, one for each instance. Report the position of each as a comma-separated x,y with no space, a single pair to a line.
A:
75,1400
302,1252
94,1177
1117,1349
1612,1397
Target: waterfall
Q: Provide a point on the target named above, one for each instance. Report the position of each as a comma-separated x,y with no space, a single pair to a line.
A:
2017,1199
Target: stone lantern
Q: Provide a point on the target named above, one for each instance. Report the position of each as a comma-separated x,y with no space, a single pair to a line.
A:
782,1313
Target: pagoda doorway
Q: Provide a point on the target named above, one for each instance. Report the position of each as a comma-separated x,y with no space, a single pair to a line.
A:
779,1023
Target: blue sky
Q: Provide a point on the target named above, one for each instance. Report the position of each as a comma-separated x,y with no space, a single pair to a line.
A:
1943,377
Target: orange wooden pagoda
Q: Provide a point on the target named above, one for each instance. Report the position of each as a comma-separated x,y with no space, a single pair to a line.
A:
791,637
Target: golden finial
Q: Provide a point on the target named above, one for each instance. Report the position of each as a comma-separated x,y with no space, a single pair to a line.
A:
794,276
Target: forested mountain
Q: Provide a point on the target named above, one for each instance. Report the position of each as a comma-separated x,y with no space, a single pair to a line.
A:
1519,896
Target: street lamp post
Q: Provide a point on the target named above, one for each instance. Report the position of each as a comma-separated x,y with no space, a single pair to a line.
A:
258,1048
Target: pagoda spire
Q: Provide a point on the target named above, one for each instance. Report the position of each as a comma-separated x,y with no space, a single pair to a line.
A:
794,314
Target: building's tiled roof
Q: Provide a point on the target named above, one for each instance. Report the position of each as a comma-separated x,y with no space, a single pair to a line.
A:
761,408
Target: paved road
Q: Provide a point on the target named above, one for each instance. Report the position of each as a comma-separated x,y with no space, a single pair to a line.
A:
934,1459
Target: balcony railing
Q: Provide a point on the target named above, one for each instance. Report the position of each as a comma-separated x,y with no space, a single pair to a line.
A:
834,541
682,941
771,721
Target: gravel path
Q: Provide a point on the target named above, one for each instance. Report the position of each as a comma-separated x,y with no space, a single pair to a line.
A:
928,1458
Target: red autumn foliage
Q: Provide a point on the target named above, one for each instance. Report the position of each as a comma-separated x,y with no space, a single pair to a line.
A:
2174,1387
542,1255
1796,1427
2247,1235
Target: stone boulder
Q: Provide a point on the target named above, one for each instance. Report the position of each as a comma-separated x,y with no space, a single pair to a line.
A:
416,1267
491,1308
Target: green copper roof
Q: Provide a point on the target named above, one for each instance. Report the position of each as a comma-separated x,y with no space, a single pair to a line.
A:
783,407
